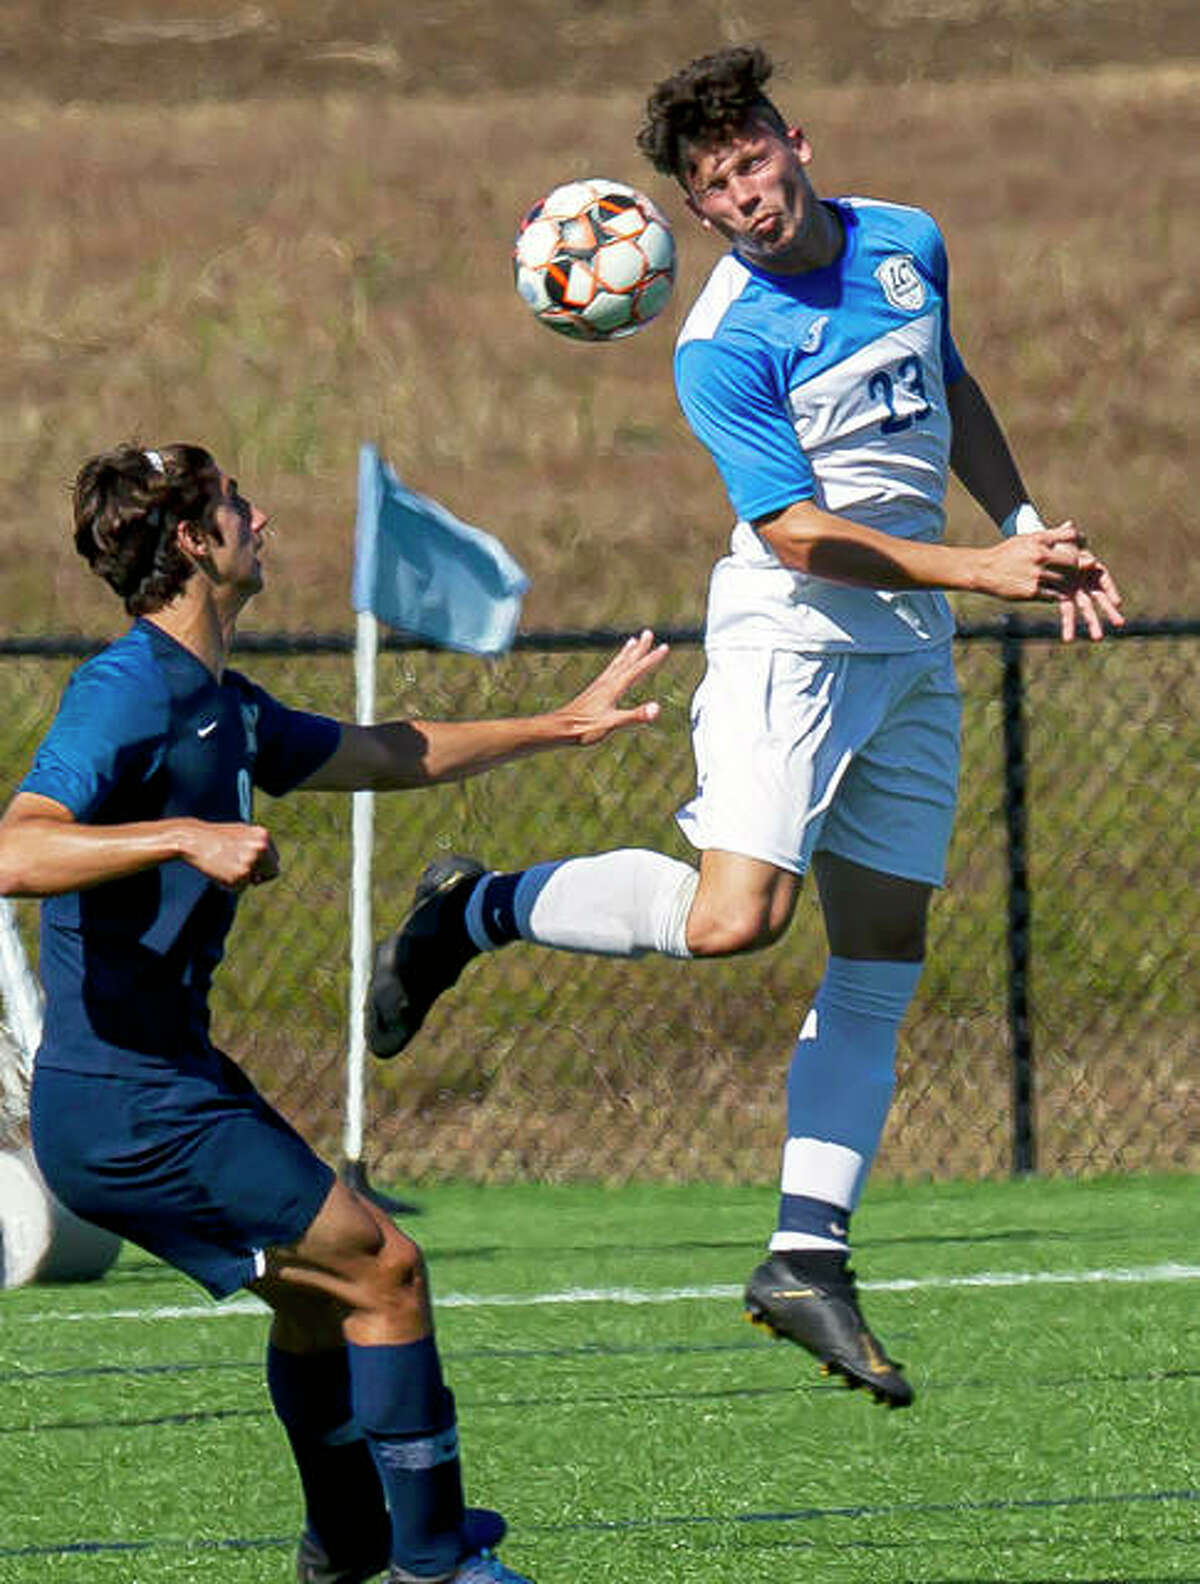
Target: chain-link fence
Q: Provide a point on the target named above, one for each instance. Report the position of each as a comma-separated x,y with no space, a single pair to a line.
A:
1057,1021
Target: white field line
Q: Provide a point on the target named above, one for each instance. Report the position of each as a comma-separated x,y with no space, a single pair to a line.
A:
633,1296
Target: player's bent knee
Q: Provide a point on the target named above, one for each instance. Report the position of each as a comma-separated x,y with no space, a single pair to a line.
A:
387,1281
355,1252
393,1278
401,1264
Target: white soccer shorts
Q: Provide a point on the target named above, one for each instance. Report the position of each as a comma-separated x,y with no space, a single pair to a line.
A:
855,754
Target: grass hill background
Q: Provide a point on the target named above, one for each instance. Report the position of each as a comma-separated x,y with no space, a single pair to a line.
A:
284,229
281,229
235,49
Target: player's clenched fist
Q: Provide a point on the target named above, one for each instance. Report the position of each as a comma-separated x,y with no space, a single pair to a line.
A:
233,855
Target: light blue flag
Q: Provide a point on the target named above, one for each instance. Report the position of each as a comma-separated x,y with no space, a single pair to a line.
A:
419,569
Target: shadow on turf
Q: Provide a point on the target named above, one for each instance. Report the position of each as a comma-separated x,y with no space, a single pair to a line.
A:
713,1245
144,1268
565,1400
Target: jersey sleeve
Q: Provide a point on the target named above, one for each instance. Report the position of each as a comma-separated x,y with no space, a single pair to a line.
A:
736,409
292,743
109,730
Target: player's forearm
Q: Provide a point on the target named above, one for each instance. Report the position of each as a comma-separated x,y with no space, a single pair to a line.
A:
47,856
414,753
1044,565
455,750
399,755
816,542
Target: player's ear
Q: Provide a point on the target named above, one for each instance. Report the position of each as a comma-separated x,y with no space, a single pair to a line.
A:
800,145
192,540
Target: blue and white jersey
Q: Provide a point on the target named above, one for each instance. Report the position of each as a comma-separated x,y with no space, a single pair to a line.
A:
827,386
146,732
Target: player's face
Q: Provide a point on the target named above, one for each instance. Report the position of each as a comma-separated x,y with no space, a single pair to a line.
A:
752,189
240,525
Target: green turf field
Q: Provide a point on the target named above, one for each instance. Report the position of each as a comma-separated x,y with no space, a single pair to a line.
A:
635,1431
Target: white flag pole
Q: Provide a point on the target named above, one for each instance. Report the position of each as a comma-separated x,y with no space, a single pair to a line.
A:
362,852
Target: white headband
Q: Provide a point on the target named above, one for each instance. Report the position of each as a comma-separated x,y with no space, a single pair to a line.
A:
155,460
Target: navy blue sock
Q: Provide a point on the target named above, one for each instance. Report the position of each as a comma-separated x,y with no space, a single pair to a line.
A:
496,901
408,1417
817,1218
345,1511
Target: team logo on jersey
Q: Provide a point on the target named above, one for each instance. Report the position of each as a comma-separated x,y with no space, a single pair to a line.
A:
901,282
815,334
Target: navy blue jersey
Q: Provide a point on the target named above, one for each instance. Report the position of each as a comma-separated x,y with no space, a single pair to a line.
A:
146,732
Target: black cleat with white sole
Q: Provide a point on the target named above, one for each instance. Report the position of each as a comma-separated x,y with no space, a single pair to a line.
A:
424,956
808,1296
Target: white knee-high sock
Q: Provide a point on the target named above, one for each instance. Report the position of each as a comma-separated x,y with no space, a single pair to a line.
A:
839,1090
617,904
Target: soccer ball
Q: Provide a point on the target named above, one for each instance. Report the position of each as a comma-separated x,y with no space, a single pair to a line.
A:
595,259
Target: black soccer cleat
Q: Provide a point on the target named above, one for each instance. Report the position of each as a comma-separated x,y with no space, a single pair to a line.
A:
483,1529
313,1566
424,956
808,1296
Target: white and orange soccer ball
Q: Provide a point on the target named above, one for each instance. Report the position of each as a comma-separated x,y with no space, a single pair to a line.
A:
594,259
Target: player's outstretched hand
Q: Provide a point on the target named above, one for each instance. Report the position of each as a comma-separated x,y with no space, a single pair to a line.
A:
234,855
597,710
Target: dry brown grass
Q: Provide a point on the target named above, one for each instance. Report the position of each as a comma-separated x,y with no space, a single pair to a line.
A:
171,50
283,230
285,275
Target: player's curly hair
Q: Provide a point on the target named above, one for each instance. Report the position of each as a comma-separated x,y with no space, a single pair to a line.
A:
713,97
127,504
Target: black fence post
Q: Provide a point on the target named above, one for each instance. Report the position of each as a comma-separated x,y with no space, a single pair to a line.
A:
1024,1150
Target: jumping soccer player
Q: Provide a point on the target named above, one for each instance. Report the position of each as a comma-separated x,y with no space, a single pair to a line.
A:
818,367
136,825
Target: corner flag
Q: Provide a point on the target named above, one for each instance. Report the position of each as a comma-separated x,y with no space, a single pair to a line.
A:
419,569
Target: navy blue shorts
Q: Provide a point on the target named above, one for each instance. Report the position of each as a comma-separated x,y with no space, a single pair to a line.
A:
197,1168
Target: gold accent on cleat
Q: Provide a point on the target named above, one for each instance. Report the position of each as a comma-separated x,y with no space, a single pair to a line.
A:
878,1364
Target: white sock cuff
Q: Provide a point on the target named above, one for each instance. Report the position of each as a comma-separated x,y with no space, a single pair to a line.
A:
674,896
821,1169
